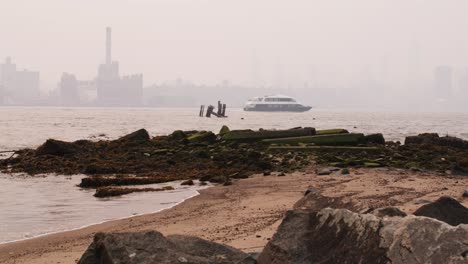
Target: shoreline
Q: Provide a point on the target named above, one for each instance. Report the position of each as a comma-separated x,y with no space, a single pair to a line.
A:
67,247
102,222
246,214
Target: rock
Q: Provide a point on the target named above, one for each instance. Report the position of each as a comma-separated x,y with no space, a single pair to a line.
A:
109,191
434,139
388,211
266,173
187,182
315,201
55,147
465,193
377,139
217,179
332,131
341,236
178,135
153,247
324,171
139,135
422,201
239,175
250,135
445,209
421,138
311,190
281,174
202,137
372,165
224,130
227,183
321,140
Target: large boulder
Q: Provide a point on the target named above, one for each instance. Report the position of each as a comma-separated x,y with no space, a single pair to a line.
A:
445,209
341,236
153,247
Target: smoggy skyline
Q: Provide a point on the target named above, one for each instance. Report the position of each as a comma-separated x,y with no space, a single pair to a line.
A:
254,43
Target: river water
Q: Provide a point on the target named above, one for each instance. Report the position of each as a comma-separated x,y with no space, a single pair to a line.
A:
32,206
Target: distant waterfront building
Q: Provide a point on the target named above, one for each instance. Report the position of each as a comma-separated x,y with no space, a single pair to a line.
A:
443,82
18,86
69,90
111,88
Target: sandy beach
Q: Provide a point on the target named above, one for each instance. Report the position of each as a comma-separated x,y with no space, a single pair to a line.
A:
246,214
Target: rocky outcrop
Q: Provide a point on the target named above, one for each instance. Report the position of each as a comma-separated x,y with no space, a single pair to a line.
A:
433,138
139,135
341,236
153,247
445,209
56,148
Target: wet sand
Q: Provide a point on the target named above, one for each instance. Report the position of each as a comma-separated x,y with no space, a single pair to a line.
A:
246,214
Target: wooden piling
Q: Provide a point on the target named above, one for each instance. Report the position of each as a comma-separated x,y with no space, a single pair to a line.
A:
202,110
223,113
209,111
220,108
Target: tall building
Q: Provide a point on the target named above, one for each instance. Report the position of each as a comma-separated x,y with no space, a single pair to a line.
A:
69,90
18,86
443,82
111,88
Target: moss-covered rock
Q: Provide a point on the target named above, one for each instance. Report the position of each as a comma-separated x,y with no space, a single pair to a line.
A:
332,131
249,135
224,130
323,140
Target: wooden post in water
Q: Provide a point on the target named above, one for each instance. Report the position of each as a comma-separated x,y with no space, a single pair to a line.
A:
223,113
220,108
209,111
202,110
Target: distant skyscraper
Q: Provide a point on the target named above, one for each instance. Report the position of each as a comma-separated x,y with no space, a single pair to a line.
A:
113,90
19,87
443,82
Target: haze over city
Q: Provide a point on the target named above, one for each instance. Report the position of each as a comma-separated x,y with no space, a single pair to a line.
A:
410,55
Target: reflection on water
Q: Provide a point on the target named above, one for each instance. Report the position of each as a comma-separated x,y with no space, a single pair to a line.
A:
31,206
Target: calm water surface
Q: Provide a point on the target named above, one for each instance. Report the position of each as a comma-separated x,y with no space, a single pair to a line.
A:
33,206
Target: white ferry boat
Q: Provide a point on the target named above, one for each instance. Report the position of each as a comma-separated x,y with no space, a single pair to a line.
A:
275,103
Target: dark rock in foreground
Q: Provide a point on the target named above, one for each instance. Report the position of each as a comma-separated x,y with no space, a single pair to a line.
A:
341,236
445,209
153,247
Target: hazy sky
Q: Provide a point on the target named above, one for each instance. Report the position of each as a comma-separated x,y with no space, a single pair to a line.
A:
244,41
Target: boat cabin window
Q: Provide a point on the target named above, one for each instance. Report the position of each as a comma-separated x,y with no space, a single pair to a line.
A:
279,100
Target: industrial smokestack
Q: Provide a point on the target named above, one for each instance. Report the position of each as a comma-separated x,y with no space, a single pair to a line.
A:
108,46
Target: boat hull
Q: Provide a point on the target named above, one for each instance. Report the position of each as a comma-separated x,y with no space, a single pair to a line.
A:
277,108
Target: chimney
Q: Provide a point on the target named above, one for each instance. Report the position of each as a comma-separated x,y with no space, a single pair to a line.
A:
108,46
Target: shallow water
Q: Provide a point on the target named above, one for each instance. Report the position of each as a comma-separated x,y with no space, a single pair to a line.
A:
32,206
